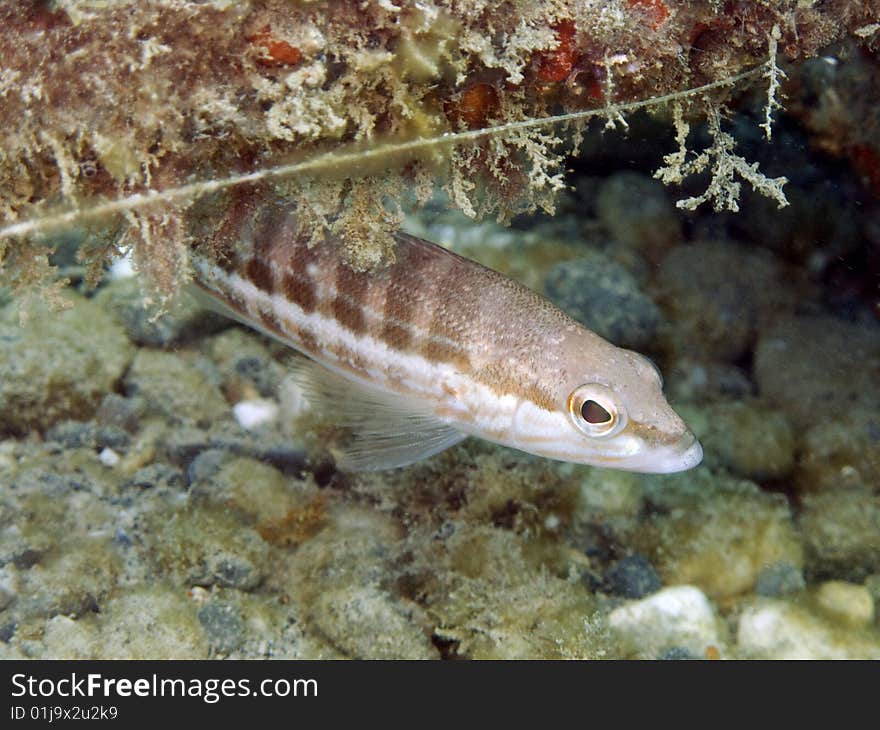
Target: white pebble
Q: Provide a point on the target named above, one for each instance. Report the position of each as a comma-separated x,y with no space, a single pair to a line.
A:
122,268
849,603
679,616
779,630
252,414
108,457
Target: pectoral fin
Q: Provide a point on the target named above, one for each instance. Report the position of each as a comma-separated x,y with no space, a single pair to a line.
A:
388,430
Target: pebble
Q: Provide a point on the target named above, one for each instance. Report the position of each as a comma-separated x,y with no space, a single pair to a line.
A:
206,465
678,653
150,622
607,492
156,476
841,452
774,629
7,631
252,414
780,579
89,354
175,389
752,439
366,622
841,533
604,296
718,294
184,321
119,412
73,579
208,547
245,364
637,211
713,531
632,577
79,435
678,617
703,381
849,603
223,626
108,457
818,368
276,504
185,444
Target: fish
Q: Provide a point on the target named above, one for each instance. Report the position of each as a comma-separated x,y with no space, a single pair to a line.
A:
433,348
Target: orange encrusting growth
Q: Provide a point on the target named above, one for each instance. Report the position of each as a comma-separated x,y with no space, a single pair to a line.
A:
655,10
556,65
273,52
474,105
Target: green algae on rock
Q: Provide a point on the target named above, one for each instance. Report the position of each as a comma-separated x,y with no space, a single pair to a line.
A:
748,437
435,93
841,532
714,531
208,547
175,389
89,354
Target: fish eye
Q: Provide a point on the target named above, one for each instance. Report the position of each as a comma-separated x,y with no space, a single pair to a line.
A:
594,411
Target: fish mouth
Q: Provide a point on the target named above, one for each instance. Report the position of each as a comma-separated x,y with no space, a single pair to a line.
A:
690,452
684,454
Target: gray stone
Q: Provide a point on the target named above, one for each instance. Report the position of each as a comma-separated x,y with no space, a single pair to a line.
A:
605,297
632,577
85,435
638,212
716,295
59,365
779,579
184,445
184,321
175,389
223,626
677,653
206,465
119,412
155,476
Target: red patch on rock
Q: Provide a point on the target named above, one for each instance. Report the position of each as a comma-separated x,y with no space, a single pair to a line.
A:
556,65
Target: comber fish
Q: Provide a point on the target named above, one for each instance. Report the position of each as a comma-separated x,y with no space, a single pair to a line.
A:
435,347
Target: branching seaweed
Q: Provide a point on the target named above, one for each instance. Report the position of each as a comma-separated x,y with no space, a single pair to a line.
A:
725,167
349,159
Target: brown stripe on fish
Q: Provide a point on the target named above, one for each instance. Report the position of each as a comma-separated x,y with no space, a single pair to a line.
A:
348,303
299,289
399,307
259,273
441,343
294,259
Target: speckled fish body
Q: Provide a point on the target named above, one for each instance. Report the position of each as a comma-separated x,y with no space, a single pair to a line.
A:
436,347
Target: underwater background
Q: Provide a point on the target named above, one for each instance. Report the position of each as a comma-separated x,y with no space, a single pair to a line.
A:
164,493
